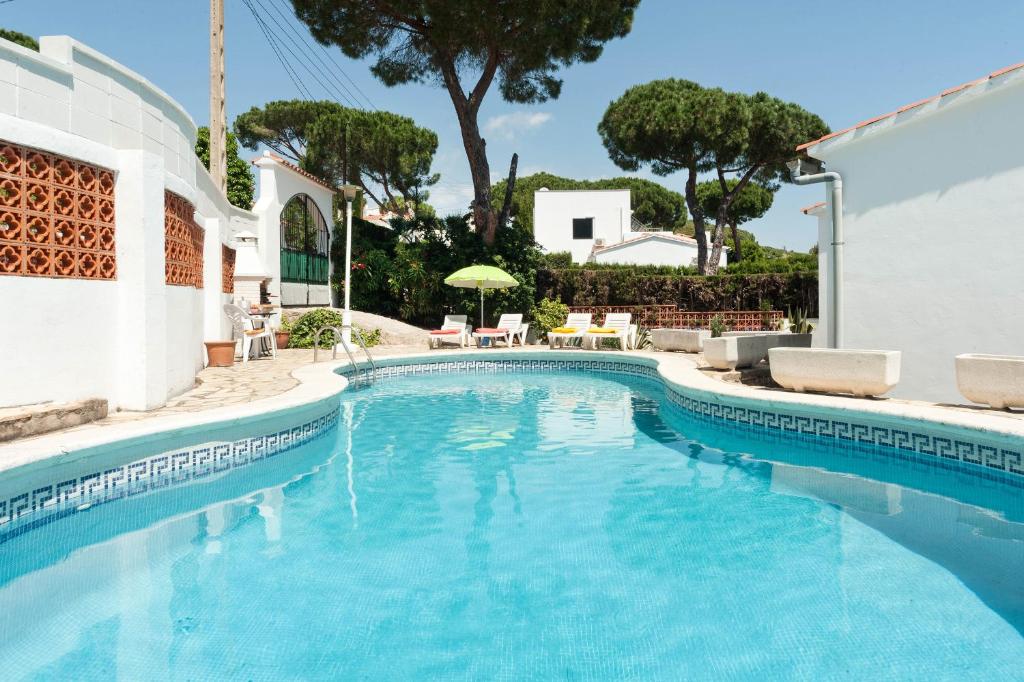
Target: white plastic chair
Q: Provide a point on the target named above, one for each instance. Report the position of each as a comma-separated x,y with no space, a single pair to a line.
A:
509,326
245,328
455,323
620,322
578,321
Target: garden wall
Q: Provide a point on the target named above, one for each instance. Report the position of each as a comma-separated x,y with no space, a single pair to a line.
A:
89,305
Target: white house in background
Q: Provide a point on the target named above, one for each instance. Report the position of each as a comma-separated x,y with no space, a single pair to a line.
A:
596,225
933,213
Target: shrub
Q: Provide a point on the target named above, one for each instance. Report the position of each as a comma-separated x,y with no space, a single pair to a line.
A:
557,260
303,330
717,326
586,287
548,314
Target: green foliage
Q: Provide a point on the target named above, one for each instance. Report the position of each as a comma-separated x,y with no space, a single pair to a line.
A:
643,339
303,330
798,323
676,125
557,260
753,201
548,314
282,125
372,149
465,47
241,185
400,272
620,287
19,38
773,260
417,42
718,326
652,203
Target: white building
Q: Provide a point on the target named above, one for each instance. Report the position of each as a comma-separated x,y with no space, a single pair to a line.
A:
933,209
117,251
597,226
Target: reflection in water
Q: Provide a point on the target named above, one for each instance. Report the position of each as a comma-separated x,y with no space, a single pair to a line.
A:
566,527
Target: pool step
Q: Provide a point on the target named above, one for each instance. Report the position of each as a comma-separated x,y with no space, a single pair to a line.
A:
32,420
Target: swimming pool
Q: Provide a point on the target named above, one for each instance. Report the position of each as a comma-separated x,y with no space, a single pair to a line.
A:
515,521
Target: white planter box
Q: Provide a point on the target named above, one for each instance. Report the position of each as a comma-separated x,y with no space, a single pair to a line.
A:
686,340
730,352
995,380
860,372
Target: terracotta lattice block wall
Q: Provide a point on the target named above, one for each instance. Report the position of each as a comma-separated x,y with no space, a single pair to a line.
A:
671,317
227,269
56,216
183,243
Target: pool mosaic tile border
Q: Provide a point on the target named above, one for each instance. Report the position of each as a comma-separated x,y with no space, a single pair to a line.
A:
936,449
47,503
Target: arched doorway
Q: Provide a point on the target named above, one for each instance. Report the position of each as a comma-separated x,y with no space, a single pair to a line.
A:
305,240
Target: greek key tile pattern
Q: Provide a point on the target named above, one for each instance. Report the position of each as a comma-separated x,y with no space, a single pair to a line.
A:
56,216
57,499
935,449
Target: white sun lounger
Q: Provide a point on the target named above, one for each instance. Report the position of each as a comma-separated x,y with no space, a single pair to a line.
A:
580,322
620,322
454,330
510,326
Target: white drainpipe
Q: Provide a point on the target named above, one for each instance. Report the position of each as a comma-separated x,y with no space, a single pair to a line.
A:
795,168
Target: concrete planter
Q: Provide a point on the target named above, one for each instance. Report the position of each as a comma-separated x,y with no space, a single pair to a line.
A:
731,352
994,380
685,340
860,372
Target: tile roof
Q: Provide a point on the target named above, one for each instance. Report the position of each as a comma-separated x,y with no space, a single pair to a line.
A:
913,105
292,167
806,210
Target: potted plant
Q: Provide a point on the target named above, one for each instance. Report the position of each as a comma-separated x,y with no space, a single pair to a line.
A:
283,333
220,353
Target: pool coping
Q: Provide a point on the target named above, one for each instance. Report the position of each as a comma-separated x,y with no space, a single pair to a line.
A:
321,381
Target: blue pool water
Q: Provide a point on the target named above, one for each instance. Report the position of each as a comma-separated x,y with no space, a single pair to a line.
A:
529,526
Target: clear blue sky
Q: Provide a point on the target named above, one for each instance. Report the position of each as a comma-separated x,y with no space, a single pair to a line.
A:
845,61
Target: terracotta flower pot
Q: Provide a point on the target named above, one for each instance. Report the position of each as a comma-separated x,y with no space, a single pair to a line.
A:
282,339
220,353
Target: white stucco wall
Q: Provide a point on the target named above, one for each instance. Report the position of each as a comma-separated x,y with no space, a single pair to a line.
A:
278,184
554,210
134,341
934,204
653,251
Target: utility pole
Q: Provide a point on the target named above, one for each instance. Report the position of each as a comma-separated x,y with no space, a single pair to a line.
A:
218,115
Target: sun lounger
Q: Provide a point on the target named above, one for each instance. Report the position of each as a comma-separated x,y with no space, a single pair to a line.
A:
575,327
616,326
509,327
454,330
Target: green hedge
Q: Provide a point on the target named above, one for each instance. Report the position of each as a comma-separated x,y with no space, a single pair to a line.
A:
782,291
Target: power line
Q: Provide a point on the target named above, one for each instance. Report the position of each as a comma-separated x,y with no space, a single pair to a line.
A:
296,80
332,92
326,52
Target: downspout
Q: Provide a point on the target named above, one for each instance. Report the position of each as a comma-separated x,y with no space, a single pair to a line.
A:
836,272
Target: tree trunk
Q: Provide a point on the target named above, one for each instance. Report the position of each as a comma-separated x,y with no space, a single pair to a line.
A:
485,221
485,218
698,221
717,239
736,242
510,186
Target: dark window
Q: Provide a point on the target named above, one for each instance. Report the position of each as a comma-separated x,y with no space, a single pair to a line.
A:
582,228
